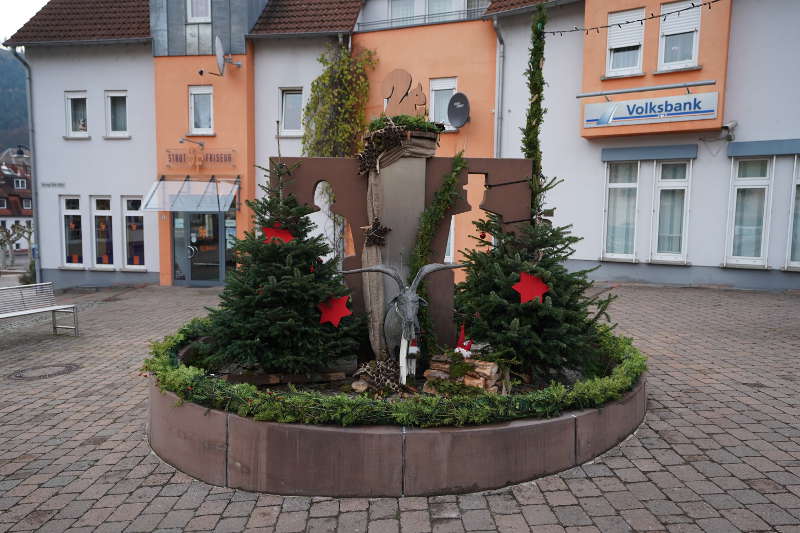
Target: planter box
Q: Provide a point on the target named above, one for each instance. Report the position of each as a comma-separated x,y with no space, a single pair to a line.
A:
227,450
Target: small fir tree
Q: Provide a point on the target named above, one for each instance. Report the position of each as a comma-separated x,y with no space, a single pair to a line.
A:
268,314
537,337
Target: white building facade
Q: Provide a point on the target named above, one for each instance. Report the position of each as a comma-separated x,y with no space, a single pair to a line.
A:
94,122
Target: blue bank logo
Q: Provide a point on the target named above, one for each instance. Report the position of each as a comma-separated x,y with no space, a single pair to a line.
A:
667,109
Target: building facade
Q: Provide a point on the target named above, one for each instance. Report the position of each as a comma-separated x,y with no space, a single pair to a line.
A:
676,138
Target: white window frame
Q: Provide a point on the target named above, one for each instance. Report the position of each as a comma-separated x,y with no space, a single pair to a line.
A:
130,213
441,84
792,265
109,122
287,132
28,202
200,89
68,97
74,212
102,212
737,183
24,183
3,203
450,246
661,185
608,186
191,19
674,65
625,71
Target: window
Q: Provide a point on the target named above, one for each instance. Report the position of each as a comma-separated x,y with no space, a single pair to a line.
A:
748,221
670,210
103,232
620,234
442,89
402,11
291,112
198,11
116,113
439,10
73,231
20,183
134,232
794,237
201,110
27,204
624,43
679,36
77,119
476,8
3,203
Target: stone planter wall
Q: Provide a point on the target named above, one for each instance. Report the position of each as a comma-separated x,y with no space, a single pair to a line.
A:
227,450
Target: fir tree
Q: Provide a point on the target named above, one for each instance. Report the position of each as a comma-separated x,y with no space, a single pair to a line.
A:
536,337
268,313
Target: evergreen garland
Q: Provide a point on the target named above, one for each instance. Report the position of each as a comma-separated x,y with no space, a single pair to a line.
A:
334,118
531,146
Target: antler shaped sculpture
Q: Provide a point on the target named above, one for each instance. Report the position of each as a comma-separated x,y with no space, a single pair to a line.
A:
403,308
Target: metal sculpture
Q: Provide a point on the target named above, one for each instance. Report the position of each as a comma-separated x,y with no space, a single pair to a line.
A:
400,323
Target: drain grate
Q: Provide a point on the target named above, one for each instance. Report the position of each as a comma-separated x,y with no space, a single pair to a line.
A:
43,372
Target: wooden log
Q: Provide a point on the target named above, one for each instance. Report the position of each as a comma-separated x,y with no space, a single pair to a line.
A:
436,374
441,357
429,389
360,385
469,381
444,367
486,369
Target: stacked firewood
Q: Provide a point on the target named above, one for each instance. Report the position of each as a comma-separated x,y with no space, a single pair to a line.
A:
482,374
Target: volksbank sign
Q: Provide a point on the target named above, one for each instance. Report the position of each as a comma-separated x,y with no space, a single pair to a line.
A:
667,109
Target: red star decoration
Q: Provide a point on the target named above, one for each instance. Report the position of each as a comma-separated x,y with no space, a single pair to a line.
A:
334,310
276,233
530,287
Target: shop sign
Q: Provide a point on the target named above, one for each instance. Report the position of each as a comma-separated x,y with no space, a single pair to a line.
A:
195,158
698,106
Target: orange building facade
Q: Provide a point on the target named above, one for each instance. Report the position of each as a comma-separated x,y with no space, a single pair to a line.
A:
200,159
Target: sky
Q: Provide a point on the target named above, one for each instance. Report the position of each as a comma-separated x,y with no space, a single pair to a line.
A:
15,13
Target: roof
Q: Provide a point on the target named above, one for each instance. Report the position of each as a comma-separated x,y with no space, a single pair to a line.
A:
291,17
500,6
61,21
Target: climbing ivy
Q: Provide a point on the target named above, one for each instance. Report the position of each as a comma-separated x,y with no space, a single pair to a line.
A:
334,118
531,146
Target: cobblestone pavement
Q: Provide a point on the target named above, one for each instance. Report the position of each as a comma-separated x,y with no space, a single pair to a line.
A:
719,451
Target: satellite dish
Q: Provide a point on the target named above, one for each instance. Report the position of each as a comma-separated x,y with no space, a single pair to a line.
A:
220,53
458,110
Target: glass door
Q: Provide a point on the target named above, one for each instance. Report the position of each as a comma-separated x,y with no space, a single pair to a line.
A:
199,251
203,247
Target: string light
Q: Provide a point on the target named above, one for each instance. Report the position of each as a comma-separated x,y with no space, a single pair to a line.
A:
677,12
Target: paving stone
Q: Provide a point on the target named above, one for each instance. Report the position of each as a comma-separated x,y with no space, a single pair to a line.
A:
321,525
291,521
355,522
477,520
415,522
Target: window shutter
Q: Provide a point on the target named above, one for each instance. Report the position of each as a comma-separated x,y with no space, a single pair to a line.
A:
627,34
682,22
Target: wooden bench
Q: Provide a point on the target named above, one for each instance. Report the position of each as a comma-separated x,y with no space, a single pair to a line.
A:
31,299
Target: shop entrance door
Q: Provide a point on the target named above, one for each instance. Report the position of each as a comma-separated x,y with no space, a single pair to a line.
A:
200,248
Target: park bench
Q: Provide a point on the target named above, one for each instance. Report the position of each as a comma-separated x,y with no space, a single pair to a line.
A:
31,299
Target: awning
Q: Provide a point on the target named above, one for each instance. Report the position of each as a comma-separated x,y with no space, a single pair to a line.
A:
198,194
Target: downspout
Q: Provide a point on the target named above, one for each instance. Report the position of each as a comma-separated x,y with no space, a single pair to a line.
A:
37,260
501,65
